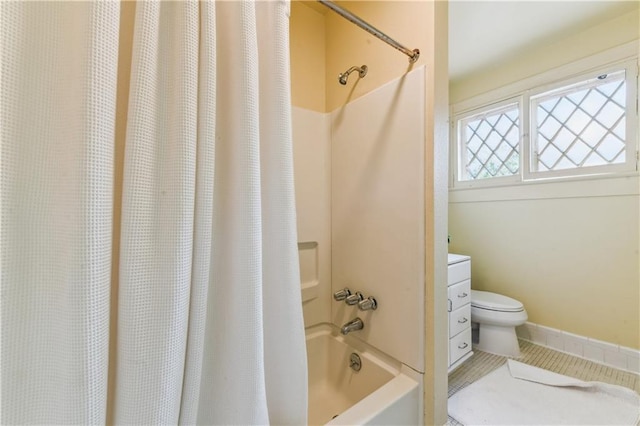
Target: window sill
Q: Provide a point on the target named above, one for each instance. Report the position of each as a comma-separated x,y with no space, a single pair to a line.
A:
622,184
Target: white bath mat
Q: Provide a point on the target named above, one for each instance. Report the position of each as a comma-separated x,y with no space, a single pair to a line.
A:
519,394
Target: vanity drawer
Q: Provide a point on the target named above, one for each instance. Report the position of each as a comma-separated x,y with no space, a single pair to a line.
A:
459,320
459,294
459,345
459,272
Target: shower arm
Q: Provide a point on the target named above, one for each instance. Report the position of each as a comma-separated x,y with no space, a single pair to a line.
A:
362,71
412,54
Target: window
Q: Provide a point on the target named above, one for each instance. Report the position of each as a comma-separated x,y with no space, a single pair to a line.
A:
579,126
582,125
491,143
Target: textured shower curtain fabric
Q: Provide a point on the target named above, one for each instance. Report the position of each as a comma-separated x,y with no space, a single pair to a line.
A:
209,316
57,103
209,272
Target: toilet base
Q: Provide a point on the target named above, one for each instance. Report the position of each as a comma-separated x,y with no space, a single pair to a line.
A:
498,340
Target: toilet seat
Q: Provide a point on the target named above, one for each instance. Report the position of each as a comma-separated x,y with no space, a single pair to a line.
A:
494,302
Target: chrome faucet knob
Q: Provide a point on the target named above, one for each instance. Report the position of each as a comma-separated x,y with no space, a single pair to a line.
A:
354,298
341,294
368,304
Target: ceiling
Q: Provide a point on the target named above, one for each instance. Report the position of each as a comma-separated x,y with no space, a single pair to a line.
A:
484,32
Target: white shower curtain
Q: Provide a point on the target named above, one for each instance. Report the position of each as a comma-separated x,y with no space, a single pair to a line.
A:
209,316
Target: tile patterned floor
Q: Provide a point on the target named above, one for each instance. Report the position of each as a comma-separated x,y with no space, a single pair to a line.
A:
482,363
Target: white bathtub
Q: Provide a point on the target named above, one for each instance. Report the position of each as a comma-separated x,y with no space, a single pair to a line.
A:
382,392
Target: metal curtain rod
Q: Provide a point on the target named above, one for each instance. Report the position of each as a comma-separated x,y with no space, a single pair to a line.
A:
412,54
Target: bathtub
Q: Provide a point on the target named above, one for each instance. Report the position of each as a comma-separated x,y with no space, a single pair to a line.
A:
383,392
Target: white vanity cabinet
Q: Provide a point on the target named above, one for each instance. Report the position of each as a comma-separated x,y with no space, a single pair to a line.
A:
459,308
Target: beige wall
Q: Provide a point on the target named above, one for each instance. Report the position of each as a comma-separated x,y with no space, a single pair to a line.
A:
324,44
572,262
568,251
308,63
347,45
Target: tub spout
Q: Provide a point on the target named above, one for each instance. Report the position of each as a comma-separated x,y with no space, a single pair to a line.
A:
353,325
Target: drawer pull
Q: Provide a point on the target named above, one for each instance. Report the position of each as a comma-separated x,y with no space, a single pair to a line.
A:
463,345
462,320
462,295
450,307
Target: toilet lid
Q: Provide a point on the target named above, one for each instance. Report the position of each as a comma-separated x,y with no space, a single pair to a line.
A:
495,302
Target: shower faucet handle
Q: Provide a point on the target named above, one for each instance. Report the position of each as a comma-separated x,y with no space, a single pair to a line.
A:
354,298
368,304
341,294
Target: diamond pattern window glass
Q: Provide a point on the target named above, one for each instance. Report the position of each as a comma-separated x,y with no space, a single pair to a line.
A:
582,125
577,122
490,143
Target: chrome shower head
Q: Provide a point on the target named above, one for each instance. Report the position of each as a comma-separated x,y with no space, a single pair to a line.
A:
343,76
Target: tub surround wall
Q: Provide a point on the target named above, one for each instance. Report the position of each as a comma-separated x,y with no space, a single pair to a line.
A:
312,173
378,214
568,250
417,24
311,152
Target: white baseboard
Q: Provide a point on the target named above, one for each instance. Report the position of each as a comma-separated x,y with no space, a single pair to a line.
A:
616,356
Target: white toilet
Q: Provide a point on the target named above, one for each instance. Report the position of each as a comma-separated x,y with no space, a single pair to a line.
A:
497,316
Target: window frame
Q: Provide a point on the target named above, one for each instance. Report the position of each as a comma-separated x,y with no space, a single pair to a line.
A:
526,90
631,116
459,148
